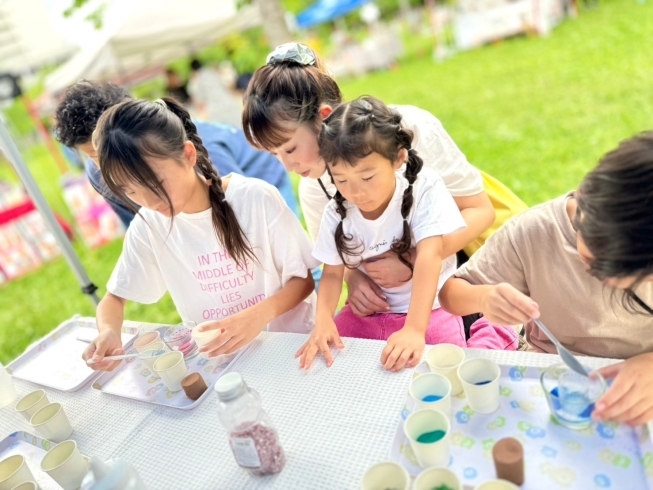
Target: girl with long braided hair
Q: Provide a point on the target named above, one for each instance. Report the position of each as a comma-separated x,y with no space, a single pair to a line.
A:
228,249
385,202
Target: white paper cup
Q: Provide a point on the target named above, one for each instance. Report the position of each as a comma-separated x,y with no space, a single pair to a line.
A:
203,338
65,464
386,475
172,369
52,423
149,362
7,391
32,403
428,453
436,478
146,339
14,470
497,485
445,359
480,380
26,485
432,391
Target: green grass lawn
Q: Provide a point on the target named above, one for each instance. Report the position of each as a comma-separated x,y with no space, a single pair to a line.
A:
536,113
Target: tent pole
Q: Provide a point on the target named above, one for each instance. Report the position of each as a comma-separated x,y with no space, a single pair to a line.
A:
16,159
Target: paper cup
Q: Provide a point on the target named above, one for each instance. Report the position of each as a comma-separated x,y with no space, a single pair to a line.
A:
7,390
27,485
203,338
32,403
386,475
423,422
497,485
431,391
13,471
172,369
52,423
436,478
149,362
480,380
445,359
146,339
65,464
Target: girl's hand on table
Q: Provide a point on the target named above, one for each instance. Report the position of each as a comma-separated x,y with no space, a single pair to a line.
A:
404,349
630,398
324,333
236,331
108,343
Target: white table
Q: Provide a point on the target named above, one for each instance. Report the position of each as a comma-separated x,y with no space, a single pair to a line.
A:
333,423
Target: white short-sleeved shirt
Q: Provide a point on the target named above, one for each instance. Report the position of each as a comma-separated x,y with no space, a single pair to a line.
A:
434,213
434,146
204,281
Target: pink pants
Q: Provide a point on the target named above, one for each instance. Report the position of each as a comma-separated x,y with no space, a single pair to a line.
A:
443,328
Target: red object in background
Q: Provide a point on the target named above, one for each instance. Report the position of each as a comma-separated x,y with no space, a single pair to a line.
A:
26,207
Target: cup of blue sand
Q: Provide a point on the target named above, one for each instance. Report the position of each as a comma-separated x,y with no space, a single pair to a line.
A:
431,391
427,432
480,380
571,396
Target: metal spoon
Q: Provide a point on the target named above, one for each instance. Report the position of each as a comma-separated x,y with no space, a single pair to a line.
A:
141,355
569,359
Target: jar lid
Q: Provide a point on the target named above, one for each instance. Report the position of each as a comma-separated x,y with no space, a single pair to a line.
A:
229,385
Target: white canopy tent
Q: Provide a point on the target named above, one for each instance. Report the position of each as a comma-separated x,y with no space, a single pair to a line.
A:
152,33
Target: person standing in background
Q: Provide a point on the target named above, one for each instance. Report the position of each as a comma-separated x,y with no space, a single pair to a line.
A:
176,87
211,100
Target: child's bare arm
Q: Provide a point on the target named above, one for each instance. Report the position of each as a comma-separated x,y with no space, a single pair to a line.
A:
110,314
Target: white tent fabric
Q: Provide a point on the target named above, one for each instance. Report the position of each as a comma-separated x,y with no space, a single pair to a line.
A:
152,33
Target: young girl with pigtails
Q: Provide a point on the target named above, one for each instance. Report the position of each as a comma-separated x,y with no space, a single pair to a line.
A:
228,249
379,207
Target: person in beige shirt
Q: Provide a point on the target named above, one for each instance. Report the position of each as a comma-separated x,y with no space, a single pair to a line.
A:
583,264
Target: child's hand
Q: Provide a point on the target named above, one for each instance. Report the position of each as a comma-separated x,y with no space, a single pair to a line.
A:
504,305
108,343
324,333
365,297
630,398
236,331
387,270
404,349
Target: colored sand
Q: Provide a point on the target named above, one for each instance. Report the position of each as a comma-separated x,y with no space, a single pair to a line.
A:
429,437
574,405
431,398
481,383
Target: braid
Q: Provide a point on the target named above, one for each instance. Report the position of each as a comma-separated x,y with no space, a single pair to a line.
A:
225,223
342,246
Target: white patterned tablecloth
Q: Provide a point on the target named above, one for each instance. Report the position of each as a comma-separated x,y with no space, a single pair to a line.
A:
333,423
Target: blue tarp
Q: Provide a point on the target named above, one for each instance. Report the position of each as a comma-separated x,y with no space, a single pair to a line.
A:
326,10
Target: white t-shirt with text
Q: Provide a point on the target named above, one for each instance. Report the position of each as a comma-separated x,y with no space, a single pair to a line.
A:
431,142
205,283
434,213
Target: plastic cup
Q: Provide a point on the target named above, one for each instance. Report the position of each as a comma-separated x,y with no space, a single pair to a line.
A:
51,422
26,485
7,391
149,362
436,478
480,380
417,426
445,359
146,339
571,397
172,369
178,337
497,485
13,471
386,475
431,391
32,403
203,338
65,464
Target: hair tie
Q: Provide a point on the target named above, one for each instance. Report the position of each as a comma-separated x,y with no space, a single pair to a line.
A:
294,52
